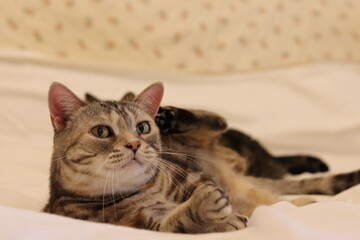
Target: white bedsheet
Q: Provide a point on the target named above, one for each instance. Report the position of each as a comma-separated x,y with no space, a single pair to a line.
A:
313,109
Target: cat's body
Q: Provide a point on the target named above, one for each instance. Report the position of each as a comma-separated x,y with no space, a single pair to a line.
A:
111,164
249,174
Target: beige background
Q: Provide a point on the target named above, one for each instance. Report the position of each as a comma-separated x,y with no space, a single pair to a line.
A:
203,36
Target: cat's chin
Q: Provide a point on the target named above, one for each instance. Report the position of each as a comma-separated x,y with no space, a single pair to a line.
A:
127,177
129,183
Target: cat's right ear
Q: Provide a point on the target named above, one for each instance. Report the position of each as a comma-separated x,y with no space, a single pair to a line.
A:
62,103
151,97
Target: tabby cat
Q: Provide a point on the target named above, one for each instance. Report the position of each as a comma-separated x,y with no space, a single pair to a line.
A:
176,170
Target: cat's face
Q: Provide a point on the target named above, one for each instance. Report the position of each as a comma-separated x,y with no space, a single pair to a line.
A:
104,147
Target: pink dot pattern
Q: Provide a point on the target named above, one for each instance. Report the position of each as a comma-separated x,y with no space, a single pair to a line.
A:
203,36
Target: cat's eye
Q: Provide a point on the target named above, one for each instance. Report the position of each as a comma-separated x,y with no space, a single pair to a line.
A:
102,131
143,128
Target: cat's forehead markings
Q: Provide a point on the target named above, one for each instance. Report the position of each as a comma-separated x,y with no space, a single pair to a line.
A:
134,110
128,116
109,106
114,116
117,119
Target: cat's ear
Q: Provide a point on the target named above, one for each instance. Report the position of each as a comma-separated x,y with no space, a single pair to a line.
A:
91,98
62,103
129,96
151,98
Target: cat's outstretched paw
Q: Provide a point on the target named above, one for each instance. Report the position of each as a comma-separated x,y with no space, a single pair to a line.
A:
214,204
166,120
175,120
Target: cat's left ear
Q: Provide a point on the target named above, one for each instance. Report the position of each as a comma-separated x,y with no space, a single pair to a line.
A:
151,97
62,104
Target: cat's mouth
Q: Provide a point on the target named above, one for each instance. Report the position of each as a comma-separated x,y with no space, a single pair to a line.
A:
132,162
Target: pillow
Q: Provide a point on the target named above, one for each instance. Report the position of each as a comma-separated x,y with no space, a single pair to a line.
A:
208,36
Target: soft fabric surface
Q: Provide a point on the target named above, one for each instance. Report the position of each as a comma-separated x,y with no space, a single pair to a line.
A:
311,109
193,36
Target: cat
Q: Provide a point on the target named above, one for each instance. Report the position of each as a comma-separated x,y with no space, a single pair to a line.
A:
112,164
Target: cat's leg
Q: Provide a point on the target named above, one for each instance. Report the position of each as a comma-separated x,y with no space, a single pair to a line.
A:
207,210
261,163
302,163
327,185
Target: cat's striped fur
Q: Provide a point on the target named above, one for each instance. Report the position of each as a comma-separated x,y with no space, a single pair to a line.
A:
178,181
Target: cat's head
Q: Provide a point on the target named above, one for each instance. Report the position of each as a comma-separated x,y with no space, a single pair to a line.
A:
104,147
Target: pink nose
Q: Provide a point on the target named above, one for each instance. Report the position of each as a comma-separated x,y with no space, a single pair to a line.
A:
134,145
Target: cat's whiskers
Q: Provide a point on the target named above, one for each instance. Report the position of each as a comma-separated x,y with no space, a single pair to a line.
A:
173,167
59,157
180,186
118,186
187,157
106,180
62,157
102,165
168,163
113,192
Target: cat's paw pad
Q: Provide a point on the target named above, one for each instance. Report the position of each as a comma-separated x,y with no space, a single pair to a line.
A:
166,120
216,204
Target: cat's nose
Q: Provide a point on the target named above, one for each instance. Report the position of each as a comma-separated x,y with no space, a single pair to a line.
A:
134,145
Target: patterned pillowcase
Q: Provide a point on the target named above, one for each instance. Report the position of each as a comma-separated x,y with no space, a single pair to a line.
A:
207,36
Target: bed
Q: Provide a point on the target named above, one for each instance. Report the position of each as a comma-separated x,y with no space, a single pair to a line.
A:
309,109
286,73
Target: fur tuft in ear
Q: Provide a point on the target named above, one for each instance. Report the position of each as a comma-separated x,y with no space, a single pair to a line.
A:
62,103
151,98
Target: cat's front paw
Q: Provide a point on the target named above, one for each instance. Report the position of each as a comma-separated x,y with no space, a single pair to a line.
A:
235,222
214,204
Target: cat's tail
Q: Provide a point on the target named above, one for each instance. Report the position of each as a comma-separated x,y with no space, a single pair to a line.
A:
328,185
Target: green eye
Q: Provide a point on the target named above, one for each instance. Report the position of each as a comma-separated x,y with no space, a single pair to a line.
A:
101,131
143,128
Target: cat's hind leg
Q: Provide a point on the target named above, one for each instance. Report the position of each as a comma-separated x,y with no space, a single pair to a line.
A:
261,163
302,163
